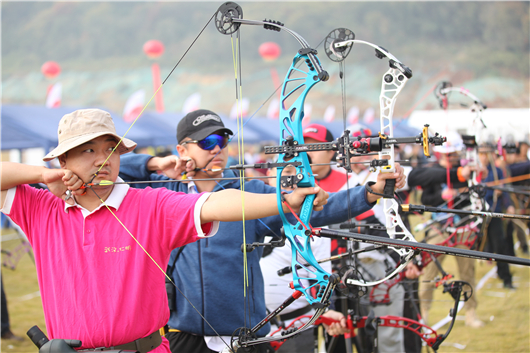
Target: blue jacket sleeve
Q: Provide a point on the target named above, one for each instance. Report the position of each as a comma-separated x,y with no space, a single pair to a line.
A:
519,168
133,167
503,201
337,210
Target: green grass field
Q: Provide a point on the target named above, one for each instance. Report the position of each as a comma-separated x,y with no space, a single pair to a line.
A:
506,313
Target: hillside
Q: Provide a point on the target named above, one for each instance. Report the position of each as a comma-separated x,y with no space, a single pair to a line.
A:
482,45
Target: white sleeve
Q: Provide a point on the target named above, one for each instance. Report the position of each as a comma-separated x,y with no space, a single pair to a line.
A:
197,218
10,197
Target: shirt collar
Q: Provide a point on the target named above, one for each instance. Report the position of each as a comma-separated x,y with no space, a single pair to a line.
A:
192,188
114,200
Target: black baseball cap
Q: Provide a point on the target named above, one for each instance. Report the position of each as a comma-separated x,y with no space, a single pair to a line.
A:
199,124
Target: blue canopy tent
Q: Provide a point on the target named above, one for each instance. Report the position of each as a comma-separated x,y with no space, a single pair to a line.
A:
36,126
15,136
251,134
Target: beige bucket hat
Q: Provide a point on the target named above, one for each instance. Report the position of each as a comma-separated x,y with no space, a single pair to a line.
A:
84,125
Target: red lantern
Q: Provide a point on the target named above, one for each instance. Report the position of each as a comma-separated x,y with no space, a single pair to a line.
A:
153,48
50,69
269,51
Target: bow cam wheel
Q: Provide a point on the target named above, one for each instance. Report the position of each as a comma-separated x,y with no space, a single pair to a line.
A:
225,14
336,36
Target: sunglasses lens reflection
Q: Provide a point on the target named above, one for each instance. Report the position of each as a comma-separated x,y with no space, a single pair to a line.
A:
211,141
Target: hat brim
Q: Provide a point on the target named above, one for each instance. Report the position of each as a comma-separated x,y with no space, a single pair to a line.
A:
445,149
312,135
199,135
125,146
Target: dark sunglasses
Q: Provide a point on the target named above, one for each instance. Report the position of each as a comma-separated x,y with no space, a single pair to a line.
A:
210,142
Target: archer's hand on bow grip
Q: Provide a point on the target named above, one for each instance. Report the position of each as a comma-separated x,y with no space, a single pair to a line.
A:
297,197
392,181
337,325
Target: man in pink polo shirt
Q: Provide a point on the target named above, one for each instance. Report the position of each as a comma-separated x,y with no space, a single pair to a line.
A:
99,251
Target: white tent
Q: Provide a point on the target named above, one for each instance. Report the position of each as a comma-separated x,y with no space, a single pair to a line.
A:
511,125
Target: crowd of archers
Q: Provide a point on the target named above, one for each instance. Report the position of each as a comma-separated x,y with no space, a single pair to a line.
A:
182,253
106,216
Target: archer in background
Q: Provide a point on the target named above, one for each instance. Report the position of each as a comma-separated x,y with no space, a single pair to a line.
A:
97,284
514,163
333,179
497,200
523,155
439,189
7,334
211,271
374,264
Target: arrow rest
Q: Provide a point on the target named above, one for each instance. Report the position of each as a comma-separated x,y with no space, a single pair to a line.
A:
273,244
478,189
459,290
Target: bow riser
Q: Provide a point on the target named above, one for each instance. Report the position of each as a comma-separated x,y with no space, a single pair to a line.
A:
299,82
392,83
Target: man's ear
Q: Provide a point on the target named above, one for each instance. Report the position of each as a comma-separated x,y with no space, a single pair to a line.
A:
181,150
62,160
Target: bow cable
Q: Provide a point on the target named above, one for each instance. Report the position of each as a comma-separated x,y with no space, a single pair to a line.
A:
115,148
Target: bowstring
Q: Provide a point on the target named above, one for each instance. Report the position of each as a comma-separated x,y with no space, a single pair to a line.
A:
236,59
157,265
116,147
156,92
351,257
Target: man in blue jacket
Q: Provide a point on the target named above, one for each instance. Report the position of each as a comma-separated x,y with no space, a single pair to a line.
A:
496,241
210,272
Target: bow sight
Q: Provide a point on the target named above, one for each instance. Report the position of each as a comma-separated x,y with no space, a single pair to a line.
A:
348,146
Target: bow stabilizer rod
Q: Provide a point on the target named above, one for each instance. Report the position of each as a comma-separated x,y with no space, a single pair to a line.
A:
398,243
421,209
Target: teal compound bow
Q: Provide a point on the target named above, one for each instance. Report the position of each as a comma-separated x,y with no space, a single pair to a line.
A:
315,284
